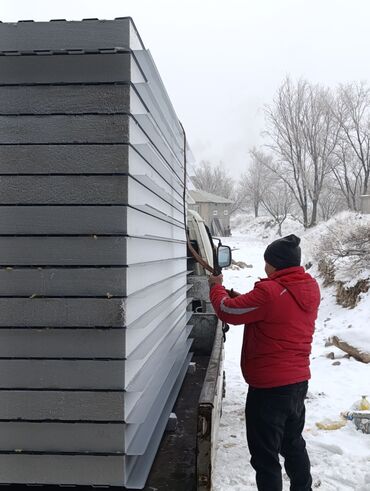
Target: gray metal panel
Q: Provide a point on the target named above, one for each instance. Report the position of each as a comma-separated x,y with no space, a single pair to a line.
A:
141,408
63,220
64,159
99,470
171,155
152,156
155,340
159,93
88,159
86,251
87,220
86,312
62,374
64,190
41,405
137,468
59,342
89,34
82,343
62,437
143,306
65,129
168,124
64,99
152,337
86,282
88,190
138,372
61,312
51,69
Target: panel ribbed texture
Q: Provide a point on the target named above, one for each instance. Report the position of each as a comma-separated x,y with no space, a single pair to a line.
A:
93,295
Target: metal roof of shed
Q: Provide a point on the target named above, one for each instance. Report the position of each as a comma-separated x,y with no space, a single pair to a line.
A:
204,197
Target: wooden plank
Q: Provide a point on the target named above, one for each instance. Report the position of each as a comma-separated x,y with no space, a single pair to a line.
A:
86,251
62,437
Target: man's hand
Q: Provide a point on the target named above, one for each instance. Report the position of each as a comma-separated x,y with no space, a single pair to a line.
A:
215,280
232,293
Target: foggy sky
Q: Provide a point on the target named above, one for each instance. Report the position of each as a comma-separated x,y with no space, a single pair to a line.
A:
221,61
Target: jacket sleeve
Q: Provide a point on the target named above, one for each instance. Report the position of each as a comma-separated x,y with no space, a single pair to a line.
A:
244,309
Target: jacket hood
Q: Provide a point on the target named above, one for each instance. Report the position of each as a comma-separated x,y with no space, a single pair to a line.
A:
301,286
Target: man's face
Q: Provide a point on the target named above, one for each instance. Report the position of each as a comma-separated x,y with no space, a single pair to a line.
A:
269,269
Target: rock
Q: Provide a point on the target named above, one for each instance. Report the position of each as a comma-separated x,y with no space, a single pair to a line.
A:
330,355
172,423
349,297
336,363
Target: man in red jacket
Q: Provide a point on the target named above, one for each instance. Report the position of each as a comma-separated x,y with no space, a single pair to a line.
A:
279,316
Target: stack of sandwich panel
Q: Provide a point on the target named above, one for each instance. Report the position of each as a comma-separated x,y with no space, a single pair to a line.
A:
93,323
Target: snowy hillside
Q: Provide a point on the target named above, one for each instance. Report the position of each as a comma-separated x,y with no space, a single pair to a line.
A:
341,458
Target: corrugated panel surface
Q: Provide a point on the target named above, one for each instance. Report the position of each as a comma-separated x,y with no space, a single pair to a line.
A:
93,327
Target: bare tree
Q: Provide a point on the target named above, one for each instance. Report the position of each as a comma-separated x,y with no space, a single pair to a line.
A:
347,170
303,134
320,130
213,179
252,182
277,200
331,200
352,112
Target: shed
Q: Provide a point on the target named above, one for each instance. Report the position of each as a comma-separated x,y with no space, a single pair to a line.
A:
215,211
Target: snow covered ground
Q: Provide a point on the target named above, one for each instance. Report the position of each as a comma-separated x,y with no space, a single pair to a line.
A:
341,458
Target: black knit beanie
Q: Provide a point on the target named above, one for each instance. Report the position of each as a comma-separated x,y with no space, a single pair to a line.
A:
284,252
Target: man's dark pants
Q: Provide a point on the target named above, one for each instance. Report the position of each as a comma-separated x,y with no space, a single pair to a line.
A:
275,419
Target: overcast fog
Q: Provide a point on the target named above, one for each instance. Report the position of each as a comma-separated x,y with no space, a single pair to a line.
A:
222,61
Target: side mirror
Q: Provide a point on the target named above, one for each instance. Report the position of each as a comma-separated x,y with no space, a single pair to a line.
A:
223,256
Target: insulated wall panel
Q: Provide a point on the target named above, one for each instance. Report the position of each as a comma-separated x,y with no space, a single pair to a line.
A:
75,35
93,293
86,282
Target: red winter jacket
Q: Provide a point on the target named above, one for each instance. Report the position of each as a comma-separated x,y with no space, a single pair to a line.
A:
279,314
